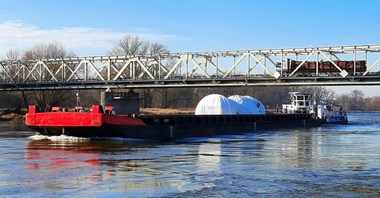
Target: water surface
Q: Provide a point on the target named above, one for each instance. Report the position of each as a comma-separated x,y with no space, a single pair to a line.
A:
329,161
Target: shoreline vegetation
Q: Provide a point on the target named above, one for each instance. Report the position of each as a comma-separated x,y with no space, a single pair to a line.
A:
11,116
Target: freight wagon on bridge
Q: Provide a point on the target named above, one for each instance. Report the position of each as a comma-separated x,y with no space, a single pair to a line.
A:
325,68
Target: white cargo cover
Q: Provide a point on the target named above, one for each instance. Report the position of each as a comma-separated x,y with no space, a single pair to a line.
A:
248,105
216,104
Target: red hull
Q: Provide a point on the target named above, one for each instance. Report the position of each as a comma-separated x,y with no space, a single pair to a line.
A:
82,124
95,118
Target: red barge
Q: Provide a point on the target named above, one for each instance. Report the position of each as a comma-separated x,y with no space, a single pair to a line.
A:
104,123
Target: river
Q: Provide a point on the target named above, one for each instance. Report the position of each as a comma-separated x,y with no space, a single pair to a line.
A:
328,161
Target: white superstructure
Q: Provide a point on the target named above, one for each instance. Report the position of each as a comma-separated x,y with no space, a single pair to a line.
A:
300,103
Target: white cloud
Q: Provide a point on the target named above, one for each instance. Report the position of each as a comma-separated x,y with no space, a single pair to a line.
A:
81,40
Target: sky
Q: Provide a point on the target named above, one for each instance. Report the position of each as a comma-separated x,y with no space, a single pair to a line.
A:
92,27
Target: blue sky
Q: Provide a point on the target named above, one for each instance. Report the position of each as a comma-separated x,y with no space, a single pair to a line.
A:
93,27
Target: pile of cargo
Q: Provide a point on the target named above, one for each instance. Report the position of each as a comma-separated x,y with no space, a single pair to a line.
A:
216,104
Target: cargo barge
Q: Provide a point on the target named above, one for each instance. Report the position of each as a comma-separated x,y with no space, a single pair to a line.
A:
214,115
157,127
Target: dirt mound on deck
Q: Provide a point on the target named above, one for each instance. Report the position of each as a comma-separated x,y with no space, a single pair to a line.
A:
158,111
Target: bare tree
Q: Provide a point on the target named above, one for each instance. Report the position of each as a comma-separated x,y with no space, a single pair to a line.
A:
157,48
134,45
48,98
13,54
357,99
373,103
353,101
344,100
47,50
320,93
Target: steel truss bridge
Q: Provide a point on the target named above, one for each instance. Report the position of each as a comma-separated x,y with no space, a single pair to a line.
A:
193,69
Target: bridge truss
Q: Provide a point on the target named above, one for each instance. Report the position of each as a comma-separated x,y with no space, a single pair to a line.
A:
195,69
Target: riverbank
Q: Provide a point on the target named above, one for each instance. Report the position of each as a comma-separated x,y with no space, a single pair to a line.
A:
11,116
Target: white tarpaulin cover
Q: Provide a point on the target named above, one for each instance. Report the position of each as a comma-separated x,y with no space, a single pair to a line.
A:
216,104
248,105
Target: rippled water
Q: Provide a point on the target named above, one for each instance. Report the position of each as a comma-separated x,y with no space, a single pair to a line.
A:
329,161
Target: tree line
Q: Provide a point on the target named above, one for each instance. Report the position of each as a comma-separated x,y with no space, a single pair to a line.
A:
271,96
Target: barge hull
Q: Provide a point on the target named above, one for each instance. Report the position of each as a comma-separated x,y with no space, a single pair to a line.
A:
161,127
169,132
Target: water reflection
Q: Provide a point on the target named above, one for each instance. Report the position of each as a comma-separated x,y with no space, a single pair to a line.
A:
63,166
324,148
135,168
51,155
209,157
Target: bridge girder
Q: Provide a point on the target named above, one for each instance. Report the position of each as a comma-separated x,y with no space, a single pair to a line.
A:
241,67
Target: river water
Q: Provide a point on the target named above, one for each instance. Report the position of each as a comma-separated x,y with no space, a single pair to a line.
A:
329,161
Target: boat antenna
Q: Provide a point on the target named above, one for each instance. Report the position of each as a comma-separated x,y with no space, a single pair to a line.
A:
78,99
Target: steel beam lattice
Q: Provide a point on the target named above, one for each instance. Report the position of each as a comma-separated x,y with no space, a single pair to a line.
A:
218,68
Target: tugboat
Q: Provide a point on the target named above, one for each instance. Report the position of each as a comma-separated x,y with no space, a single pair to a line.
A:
332,114
303,103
